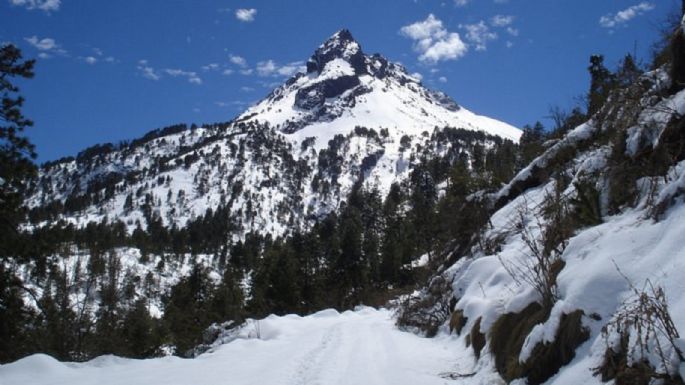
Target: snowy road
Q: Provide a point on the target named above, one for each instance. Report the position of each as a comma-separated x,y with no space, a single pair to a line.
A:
361,347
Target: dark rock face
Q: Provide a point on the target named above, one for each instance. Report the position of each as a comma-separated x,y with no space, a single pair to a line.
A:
380,70
340,46
445,101
316,94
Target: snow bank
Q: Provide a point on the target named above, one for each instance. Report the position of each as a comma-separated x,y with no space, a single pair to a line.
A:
360,347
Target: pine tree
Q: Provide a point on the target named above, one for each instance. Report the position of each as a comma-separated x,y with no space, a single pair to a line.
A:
55,334
391,248
227,299
601,83
284,290
187,309
531,142
423,200
460,185
140,332
108,330
14,316
628,71
349,274
308,251
16,152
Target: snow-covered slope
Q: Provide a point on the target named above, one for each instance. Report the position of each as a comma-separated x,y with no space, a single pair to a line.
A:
605,269
361,347
293,157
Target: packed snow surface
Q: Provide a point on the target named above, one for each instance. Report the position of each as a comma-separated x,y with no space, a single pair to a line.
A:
360,347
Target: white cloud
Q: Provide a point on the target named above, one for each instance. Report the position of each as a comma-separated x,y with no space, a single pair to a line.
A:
237,104
246,89
624,16
446,49
501,20
266,68
479,35
47,46
291,69
98,56
513,31
190,75
442,79
433,42
270,85
463,3
246,72
428,29
237,60
210,67
510,44
271,68
43,5
148,72
246,15
417,75
227,72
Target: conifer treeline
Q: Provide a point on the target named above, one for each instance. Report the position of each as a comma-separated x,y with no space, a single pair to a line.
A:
352,256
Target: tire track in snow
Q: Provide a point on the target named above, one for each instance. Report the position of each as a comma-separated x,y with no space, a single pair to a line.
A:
308,370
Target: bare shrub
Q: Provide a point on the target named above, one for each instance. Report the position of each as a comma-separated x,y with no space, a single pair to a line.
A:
541,265
508,335
646,344
428,310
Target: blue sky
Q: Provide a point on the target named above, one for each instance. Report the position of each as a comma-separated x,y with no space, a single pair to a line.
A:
113,70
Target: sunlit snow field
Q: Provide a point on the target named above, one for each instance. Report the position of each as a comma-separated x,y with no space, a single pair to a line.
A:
361,347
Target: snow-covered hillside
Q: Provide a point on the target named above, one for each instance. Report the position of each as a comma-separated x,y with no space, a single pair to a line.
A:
293,157
609,258
361,347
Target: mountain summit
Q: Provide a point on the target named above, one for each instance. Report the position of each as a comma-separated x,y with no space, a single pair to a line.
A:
339,46
343,88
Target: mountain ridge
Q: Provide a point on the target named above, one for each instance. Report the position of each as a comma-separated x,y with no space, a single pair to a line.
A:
342,85
291,158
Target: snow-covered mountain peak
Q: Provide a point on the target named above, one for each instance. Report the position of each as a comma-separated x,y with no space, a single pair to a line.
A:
345,88
290,159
